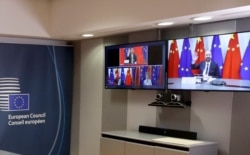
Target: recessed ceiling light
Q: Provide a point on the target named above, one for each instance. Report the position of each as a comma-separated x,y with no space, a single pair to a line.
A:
87,35
165,23
202,18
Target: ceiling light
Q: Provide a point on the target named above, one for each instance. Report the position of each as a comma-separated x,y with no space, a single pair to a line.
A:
165,23
202,18
87,35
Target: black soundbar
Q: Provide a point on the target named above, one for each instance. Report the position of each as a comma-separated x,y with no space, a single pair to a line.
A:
168,132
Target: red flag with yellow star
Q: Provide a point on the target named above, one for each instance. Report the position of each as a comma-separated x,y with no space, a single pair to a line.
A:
232,63
174,60
200,52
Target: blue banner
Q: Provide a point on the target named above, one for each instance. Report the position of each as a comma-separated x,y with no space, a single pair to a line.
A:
35,99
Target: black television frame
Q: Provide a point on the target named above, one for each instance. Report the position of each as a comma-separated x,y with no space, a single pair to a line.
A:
112,52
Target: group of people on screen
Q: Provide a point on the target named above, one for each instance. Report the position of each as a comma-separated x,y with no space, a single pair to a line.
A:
133,60
128,79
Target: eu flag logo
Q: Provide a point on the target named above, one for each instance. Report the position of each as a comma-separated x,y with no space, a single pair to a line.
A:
18,102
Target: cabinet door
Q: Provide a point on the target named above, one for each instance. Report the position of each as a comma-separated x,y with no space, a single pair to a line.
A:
167,151
110,146
138,149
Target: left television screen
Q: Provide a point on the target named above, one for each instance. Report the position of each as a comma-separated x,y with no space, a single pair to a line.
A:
136,66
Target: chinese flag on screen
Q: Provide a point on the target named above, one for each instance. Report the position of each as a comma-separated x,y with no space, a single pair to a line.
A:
122,55
200,52
139,53
128,80
231,69
137,76
174,60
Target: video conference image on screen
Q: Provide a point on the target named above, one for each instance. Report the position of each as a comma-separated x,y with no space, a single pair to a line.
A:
136,66
216,62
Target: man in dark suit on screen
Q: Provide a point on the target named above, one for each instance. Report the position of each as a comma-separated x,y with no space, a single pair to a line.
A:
207,68
132,56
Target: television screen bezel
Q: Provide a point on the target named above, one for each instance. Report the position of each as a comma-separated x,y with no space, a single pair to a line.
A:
163,43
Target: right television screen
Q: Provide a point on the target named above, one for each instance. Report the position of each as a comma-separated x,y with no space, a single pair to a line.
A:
210,63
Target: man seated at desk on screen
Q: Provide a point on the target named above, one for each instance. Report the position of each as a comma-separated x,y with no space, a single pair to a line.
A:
207,68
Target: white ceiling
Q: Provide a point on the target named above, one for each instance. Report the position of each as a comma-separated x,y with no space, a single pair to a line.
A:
221,15
101,28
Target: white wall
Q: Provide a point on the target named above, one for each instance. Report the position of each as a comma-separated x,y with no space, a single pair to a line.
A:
25,18
91,89
240,126
75,120
139,113
211,115
114,111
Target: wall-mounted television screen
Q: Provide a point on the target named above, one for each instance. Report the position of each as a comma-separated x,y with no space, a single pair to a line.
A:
216,63
136,65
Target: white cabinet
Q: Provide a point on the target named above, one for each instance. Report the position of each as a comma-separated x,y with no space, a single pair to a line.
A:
134,143
111,146
138,149
167,151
